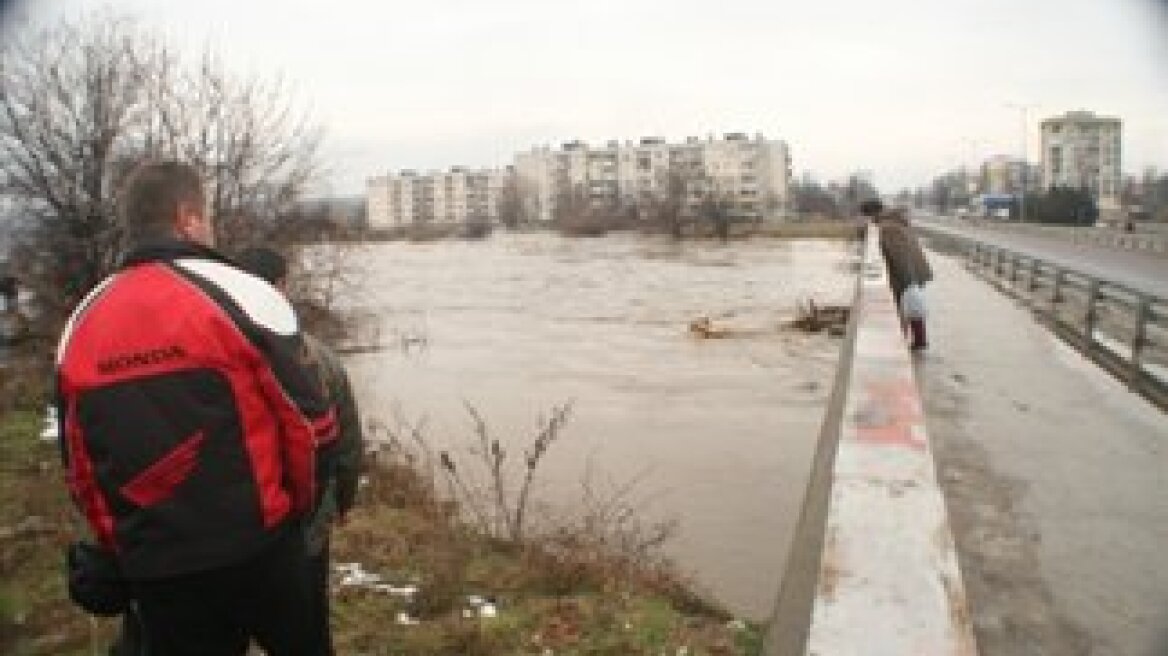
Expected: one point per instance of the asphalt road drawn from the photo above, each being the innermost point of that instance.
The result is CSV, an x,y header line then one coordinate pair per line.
x,y
1146,272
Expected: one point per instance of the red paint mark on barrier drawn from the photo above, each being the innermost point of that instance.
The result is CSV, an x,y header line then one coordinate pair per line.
x,y
889,413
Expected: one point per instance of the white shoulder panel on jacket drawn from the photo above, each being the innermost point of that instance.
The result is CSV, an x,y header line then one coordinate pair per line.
x,y
263,303
81,308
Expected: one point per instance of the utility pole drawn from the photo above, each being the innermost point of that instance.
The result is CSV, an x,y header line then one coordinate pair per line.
x,y
1023,109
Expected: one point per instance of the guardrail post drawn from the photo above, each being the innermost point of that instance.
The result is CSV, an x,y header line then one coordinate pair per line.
x,y
1090,317
1140,332
1056,287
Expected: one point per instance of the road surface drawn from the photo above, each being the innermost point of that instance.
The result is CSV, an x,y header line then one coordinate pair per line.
x,y
1146,272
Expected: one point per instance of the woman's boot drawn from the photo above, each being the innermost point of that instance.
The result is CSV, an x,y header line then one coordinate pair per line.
x,y
917,328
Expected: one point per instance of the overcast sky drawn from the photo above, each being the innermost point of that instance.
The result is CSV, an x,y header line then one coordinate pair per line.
x,y
902,89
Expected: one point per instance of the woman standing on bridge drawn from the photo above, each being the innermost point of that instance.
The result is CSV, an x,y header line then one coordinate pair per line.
x,y
906,264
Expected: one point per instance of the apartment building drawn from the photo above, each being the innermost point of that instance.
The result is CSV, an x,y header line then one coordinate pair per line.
x,y
460,195
1081,149
750,176
1004,175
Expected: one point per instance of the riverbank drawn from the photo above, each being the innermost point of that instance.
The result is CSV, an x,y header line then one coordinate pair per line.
x,y
414,578
421,579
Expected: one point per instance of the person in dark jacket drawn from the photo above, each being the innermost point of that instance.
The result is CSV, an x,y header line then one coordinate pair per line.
x,y
341,468
906,264
190,429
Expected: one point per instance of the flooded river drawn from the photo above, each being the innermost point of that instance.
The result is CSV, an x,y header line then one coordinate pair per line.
x,y
720,431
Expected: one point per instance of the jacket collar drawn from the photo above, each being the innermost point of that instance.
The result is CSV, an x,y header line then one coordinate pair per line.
x,y
168,250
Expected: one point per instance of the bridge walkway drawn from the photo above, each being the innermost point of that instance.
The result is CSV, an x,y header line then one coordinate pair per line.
x,y
1055,476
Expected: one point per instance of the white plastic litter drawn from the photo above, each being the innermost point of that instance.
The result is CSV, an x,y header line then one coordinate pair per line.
x,y
396,590
354,575
51,429
404,619
481,605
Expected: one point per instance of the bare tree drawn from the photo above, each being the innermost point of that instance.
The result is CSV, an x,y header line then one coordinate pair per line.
x,y
512,212
669,208
83,102
573,212
716,205
70,97
257,154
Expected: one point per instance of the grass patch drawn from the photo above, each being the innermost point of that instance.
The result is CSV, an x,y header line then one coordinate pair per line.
x,y
37,521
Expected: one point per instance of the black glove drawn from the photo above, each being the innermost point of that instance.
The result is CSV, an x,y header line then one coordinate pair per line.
x,y
95,580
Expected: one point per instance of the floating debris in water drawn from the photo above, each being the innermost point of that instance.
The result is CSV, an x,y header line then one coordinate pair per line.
x,y
816,318
704,328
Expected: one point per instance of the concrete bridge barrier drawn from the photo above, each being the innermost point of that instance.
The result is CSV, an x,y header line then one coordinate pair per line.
x,y
873,569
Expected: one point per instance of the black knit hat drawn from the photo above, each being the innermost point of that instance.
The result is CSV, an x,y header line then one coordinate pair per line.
x,y
264,262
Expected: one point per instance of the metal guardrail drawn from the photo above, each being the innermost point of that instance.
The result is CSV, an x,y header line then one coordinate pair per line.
x,y
873,568
1123,329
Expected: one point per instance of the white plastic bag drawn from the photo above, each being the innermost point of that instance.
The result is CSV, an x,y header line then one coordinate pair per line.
x,y
912,302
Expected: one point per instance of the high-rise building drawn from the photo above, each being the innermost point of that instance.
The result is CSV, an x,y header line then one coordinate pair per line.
x,y
750,176
459,195
1082,150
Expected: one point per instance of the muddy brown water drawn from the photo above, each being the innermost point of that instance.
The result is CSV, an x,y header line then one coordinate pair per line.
x,y
718,432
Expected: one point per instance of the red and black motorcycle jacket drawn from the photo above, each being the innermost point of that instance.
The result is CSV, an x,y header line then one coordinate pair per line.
x,y
188,425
